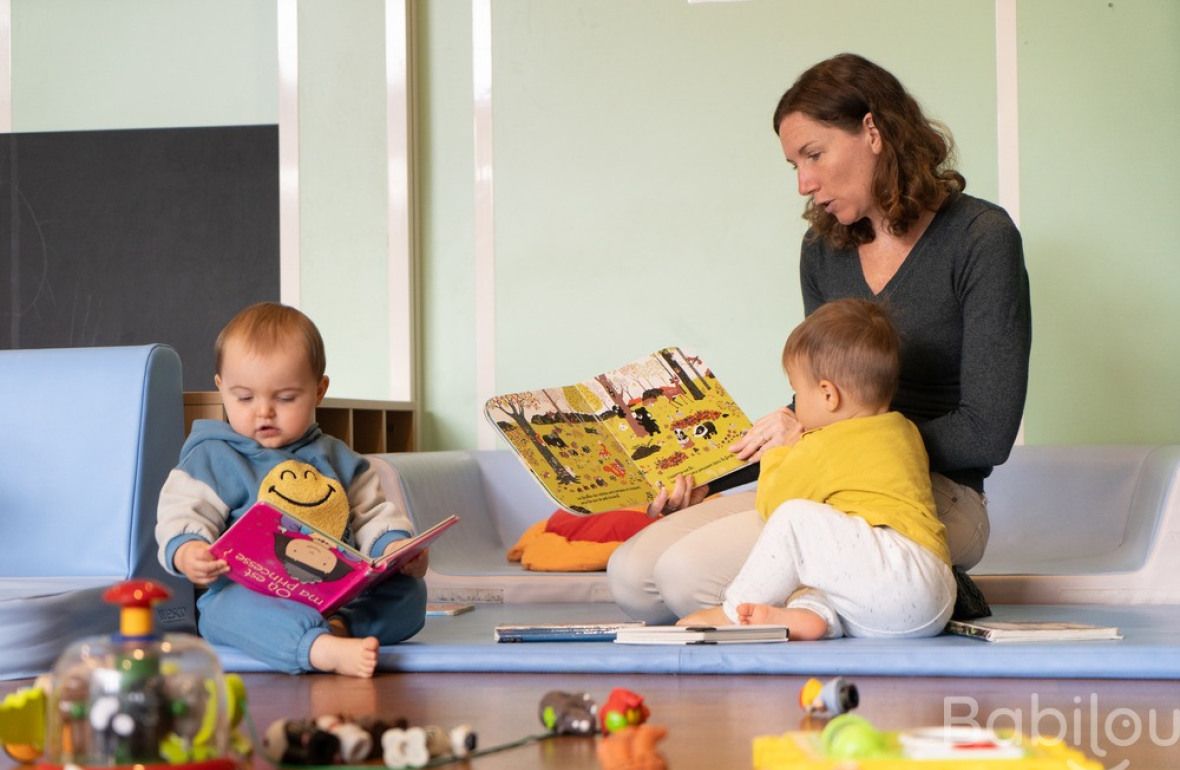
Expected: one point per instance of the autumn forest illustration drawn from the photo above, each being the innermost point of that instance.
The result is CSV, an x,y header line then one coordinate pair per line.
x,y
612,440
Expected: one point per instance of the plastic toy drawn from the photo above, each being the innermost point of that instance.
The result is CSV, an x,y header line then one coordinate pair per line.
x,y
622,708
416,746
852,741
132,699
632,748
566,713
828,699
356,743
299,742
336,739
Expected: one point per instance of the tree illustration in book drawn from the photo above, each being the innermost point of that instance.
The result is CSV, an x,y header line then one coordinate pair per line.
x,y
611,441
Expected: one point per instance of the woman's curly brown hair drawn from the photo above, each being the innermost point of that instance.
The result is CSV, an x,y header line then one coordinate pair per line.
x,y
915,170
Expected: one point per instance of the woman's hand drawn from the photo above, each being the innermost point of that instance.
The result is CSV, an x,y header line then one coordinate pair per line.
x,y
198,564
684,493
779,428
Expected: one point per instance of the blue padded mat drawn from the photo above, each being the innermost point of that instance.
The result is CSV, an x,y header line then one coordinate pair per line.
x,y
1150,649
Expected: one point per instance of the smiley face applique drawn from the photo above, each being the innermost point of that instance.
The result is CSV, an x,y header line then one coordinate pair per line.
x,y
303,492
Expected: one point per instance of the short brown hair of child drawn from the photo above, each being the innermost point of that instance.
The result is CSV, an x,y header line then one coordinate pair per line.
x,y
852,343
266,325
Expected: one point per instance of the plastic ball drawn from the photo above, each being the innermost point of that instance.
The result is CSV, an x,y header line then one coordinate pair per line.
x,y
849,736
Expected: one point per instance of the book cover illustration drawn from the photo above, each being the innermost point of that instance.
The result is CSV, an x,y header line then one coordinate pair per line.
x,y
274,553
610,441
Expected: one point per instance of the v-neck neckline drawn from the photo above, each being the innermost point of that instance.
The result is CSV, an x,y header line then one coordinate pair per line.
x,y
909,257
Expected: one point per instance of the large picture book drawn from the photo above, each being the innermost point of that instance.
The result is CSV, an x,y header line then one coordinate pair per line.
x,y
611,441
274,553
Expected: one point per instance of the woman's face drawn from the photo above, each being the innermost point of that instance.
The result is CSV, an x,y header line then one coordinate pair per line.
x,y
835,167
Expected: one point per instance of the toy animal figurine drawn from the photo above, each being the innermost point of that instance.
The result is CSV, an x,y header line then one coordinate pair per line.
x,y
376,726
462,740
828,699
299,742
566,713
414,747
338,739
355,741
622,708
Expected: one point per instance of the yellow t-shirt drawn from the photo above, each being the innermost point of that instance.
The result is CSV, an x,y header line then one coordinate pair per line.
x,y
872,467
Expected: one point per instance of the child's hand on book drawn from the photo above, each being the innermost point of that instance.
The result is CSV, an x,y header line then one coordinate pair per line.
x,y
415,567
779,428
198,564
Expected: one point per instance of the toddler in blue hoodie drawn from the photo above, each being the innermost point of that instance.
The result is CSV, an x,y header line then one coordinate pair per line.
x,y
270,365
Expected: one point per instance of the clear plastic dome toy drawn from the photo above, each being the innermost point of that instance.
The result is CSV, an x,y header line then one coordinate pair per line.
x,y
135,698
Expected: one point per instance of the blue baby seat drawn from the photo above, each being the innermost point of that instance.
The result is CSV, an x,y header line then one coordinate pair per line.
x,y
87,436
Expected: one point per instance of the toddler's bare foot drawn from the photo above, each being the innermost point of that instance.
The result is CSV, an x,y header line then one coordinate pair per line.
x,y
804,625
341,655
713,616
761,615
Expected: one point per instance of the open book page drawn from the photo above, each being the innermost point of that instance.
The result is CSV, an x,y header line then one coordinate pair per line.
x,y
611,441
677,418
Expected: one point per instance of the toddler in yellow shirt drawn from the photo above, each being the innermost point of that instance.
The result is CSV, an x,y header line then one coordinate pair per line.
x,y
852,544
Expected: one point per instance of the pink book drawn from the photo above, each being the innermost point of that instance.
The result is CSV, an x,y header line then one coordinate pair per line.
x,y
276,554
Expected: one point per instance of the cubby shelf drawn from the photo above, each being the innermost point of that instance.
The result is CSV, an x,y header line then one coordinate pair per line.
x,y
369,427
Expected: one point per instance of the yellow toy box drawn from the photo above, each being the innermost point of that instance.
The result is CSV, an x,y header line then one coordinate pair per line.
x,y
850,742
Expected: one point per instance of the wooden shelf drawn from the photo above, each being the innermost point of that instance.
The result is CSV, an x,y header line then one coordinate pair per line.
x,y
369,427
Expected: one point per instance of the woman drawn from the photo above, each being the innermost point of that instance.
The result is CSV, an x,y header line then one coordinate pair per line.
x,y
888,221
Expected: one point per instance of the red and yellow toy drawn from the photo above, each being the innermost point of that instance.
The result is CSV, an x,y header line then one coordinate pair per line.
x,y
622,708
135,699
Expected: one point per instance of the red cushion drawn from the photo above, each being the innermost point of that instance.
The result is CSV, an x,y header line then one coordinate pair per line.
x,y
605,527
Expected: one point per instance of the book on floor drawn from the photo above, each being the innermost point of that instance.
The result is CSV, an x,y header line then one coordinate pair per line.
x,y
702,635
611,441
562,632
1031,630
274,553
448,608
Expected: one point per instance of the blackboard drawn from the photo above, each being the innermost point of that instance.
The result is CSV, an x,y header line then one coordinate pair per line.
x,y
133,236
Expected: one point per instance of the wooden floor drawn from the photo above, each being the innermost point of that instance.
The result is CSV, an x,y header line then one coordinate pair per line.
x,y
712,719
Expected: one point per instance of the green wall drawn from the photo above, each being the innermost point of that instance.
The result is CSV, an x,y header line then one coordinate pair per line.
x,y
1100,165
80,65
640,198
446,196
343,190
